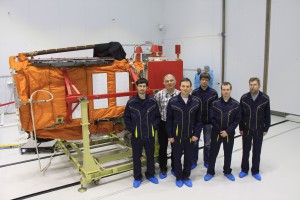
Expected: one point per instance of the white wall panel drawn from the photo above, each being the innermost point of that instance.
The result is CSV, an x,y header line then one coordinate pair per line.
x,y
244,46
196,26
284,65
38,25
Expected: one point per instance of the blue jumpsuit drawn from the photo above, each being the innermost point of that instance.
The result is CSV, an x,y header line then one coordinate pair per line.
x,y
256,119
142,118
224,116
183,122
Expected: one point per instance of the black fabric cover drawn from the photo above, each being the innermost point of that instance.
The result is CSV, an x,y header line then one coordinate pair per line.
x,y
112,49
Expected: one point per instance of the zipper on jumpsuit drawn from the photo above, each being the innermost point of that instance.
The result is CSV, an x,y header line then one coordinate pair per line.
x,y
136,132
250,113
148,124
257,112
221,121
207,105
189,122
228,122
177,108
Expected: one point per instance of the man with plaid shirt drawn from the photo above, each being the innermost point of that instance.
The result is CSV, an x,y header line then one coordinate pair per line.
x,y
162,98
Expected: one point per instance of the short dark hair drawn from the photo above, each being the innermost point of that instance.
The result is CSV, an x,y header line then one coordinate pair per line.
x,y
226,83
141,81
205,75
254,79
186,80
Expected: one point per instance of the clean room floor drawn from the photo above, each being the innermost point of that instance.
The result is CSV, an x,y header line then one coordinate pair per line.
x,y
280,161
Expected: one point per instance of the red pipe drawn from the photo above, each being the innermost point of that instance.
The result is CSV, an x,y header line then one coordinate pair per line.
x,y
5,104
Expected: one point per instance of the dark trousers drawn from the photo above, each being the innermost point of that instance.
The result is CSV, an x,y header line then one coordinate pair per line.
x,y
163,145
137,150
186,146
214,151
257,138
207,137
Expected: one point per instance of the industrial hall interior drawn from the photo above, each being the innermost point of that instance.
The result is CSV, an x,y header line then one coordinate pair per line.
x,y
158,99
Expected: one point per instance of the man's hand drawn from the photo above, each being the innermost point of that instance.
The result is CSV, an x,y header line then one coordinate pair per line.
x,y
194,139
223,133
171,140
241,132
265,133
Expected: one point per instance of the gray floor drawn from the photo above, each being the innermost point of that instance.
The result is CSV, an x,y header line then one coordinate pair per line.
x,y
279,169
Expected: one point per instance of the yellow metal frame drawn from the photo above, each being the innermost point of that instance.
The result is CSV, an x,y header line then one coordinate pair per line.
x,y
9,145
89,166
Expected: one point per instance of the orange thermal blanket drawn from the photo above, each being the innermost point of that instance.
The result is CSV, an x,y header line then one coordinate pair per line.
x,y
30,78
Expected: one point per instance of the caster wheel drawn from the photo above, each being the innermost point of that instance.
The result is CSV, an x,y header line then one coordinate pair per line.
x,y
97,182
82,189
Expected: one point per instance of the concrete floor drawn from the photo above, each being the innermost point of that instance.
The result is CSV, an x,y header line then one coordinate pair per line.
x,y
280,160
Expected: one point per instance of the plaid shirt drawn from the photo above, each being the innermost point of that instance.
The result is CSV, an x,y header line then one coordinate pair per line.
x,y
162,98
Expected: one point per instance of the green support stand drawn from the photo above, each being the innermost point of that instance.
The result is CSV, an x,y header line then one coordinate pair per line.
x,y
91,167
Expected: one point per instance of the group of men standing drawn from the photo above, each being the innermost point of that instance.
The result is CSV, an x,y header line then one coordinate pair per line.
x,y
180,116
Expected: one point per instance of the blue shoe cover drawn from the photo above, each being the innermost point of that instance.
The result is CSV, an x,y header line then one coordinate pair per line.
x,y
137,183
230,177
179,183
193,166
153,180
257,176
188,183
163,175
242,174
207,177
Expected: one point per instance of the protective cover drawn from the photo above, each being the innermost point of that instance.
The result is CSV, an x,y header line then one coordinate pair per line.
x,y
30,78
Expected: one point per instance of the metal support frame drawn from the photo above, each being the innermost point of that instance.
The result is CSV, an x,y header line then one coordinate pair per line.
x,y
89,164
91,167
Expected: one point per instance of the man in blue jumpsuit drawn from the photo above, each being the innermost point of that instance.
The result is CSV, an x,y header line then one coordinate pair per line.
x,y
183,127
225,116
197,78
254,125
142,117
207,96
211,74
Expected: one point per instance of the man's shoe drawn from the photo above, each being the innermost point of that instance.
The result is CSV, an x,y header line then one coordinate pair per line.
x,y
206,165
207,177
242,174
179,183
257,176
230,177
194,166
163,175
188,182
137,183
172,172
153,180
